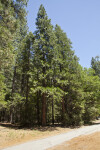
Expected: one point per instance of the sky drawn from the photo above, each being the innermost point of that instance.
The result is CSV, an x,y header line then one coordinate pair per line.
x,y
80,19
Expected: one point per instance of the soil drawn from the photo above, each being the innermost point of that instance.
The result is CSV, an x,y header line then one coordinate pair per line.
x,y
87,142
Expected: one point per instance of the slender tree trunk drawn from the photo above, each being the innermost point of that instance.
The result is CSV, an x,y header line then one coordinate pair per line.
x,y
43,109
63,106
13,90
27,85
38,109
26,102
27,88
52,112
11,115
43,96
22,82
63,110
27,76
13,82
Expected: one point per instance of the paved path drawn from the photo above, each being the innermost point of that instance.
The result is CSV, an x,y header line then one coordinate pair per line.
x,y
46,143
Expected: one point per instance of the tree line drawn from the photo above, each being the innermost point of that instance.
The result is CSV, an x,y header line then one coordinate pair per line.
x,y
41,80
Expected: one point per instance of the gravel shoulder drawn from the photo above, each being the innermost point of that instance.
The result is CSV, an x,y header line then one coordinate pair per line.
x,y
49,142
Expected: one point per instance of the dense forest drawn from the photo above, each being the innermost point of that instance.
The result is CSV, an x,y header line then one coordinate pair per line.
x,y
41,80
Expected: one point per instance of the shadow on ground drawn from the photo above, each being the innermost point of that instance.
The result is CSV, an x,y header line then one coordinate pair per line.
x,y
38,128
43,129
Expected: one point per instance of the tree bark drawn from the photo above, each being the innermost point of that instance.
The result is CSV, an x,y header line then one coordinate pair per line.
x,y
43,109
38,109
13,90
22,82
63,110
52,112
13,82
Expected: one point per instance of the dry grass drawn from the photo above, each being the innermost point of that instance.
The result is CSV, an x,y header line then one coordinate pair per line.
x,y
88,142
12,135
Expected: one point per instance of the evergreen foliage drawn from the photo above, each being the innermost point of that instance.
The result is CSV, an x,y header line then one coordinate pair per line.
x,y
95,64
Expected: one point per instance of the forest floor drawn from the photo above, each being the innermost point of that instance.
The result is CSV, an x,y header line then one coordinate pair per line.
x,y
13,135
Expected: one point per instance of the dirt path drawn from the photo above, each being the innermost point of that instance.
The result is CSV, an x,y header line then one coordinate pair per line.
x,y
46,143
